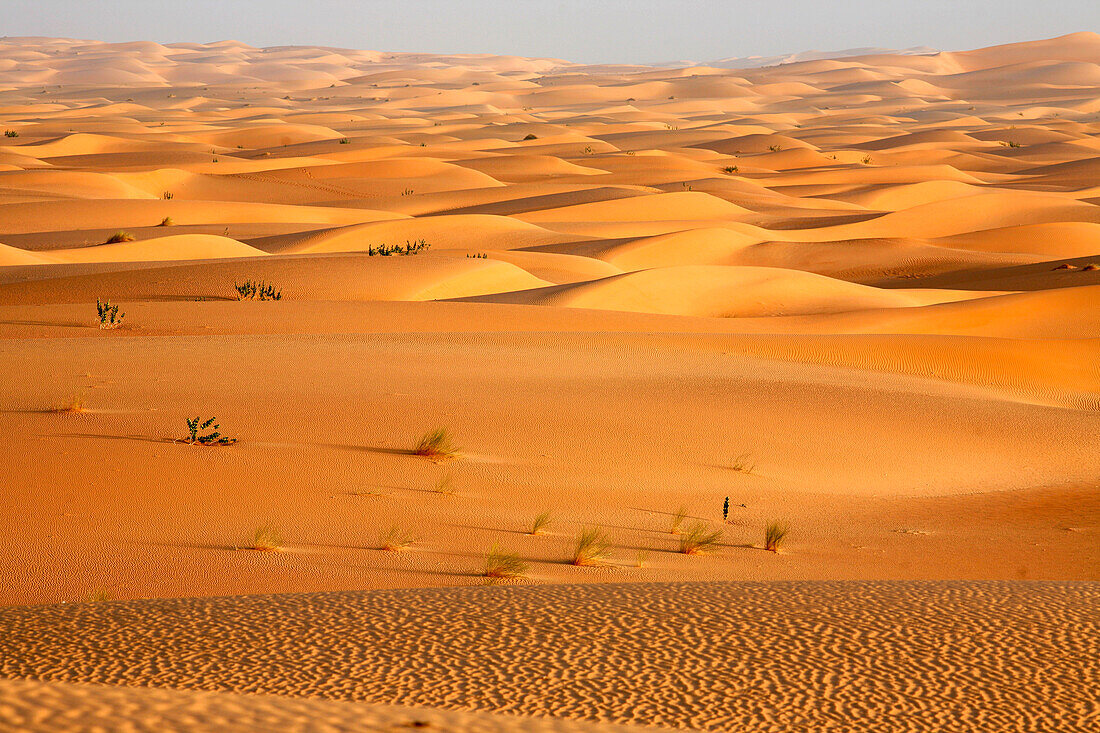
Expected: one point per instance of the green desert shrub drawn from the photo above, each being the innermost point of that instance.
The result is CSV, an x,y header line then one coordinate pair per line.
x,y
109,317
410,247
256,290
205,432
436,444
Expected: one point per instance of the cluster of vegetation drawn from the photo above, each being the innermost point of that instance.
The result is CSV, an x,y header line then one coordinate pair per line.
x,y
436,444
531,136
477,256
592,548
587,150
11,133
167,195
345,141
730,169
205,432
256,290
408,248
109,317
775,148
166,222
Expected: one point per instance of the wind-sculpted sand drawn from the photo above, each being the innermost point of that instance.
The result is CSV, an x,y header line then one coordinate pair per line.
x,y
809,656
857,295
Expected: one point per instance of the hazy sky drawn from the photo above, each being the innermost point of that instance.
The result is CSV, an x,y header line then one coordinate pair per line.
x,y
578,30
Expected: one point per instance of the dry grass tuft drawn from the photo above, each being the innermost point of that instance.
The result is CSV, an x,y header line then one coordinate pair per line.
x,y
119,236
592,548
541,522
99,595
502,565
166,222
436,444
641,559
677,520
743,463
74,407
265,539
699,540
774,534
443,484
1091,267
397,539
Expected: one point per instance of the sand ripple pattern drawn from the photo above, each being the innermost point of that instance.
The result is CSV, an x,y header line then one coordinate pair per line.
x,y
781,656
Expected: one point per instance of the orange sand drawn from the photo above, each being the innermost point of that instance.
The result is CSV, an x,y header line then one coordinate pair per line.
x,y
854,294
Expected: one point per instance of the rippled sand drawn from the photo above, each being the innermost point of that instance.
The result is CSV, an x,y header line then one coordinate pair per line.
x,y
884,656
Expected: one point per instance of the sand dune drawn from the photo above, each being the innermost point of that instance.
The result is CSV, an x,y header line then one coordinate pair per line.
x,y
855,293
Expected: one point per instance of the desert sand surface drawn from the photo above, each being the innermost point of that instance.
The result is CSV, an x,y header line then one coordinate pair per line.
x,y
856,295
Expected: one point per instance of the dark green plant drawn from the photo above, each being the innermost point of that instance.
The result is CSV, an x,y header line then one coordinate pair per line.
x,y
730,169
11,133
167,195
477,256
109,317
197,436
345,141
726,509
775,148
256,290
409,248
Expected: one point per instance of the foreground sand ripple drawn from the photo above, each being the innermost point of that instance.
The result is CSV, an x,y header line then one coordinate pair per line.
x,y
895,656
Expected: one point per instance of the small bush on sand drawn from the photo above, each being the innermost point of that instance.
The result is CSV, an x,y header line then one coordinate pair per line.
x,y
592,548
410,247
1090,267
641,559
699,540
531,136
774,534
502,565
265,539
119,236
677,520
99,595
397,539
11,133
730,169
166,222
256,290
775,148
541,522
726,509
167,195
197,435
109,317
866,160
436,444
345,141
